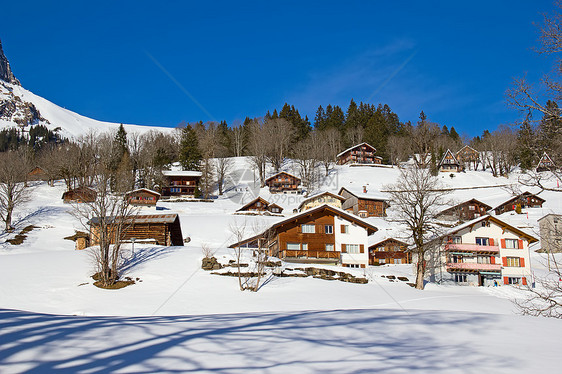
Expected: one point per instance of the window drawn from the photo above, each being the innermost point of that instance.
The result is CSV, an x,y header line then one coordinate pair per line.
x,y
345,229
175,190
471,207
460,278
382,260
482,241
484,259
258,204
305,246
308,229
397,261
456,259
329,229
381,249
329,247
513,262
363,214
352,265
352,248
456,240
512,243
275,210
293,246
476,215
513,280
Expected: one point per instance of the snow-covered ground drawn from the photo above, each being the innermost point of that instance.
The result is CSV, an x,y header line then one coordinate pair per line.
x,y
180,318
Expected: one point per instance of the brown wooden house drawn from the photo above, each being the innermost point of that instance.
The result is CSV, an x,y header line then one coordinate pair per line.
x,y
468,157
80,195
363,204
545,163
261,205
142,197
449,163
160,229
180,183
465,211
524,200
389,251
359,154
283,182
324,234
321,198
38,174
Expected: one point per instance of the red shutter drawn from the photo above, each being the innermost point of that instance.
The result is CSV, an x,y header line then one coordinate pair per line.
x,y
524,281
361,248
504,261
503,243
343,248
522,262
520,244
343,229
505,280
492,259
491,241
363,266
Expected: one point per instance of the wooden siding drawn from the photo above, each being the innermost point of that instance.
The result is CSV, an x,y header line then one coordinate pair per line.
x,y
79,195
161,233
463,211
526,200
180,185
283,182
389,250
143,198
360,154
292,233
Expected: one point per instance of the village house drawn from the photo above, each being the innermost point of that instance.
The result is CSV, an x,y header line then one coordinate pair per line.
x,y
468,157
159,229
319,199
323,234
483,252
550,228
363,204
359,154
38,174
80,195
389,251
545,164
283,182
465,211
260,205
142,197
524,200
180,183
449,163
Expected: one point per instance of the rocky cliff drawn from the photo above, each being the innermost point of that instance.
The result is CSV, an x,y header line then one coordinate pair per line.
x,y
5,71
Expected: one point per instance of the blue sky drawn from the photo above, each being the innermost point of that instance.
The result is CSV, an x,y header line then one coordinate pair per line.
x,y
145,63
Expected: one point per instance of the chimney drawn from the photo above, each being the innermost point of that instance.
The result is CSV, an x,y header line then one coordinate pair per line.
x,y
364,189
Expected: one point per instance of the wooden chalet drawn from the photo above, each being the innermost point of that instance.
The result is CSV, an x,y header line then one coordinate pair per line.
x,y
465,211
160,229
38,174
142,197
283,182
468,157
80,195
545,163
180,183
323,234
359,154
449,163
363,204
524,200
319,199
389,251
261,205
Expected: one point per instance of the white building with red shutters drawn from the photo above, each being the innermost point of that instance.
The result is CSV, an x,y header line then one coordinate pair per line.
x,y
483,252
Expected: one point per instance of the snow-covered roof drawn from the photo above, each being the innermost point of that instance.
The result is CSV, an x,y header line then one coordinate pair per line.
x,y
312,197
365,196
145,190
181,173
282,172
355,146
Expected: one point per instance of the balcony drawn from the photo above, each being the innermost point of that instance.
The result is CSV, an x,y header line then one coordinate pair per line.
x,y
471,266
472,248
327,255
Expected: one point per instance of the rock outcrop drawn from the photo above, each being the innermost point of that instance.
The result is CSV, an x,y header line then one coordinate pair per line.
x,y
5,71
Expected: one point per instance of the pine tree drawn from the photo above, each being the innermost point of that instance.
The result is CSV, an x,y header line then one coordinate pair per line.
x,y
454,135
189,153
320,119
526,146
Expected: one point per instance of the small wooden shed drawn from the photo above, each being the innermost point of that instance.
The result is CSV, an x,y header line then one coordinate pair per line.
x,y
80,195
142,197
81,240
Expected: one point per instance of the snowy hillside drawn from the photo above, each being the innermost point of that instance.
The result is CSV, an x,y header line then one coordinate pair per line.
x,y
180,318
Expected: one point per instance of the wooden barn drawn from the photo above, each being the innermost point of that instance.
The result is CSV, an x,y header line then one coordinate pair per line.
x,y
319,199
465,211
283,182
180,183
160,229
524,200
80,195
449,163
363,204
38,174
142,197
468,157
389,251
545,164
359,154
260,205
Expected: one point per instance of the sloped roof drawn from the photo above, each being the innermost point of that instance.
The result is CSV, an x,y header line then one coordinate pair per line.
x,y
141,190
143,218
181,173
386,239
448,151
488,207
469,147
355,146
259,198
517,197
365,196
282,172
310,198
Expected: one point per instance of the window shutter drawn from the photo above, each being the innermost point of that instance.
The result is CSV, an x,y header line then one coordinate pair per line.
x,y
343,248
361,248
520,244
362,266
505,280
491,241
503,243
504,261
524,281
522,262
492,259
343,229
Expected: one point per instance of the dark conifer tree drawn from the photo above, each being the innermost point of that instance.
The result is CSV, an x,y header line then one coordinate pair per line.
x,y
189,153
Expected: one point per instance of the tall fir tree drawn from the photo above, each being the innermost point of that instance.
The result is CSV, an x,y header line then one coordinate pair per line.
x,y
189,153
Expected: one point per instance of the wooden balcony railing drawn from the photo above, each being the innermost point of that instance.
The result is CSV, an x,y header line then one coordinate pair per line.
x,y
311,254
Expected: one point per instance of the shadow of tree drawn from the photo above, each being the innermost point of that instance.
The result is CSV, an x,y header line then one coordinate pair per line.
x,y
352,341
143,255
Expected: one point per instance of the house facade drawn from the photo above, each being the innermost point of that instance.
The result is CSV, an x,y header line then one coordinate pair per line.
x,y
449,163
483,252
465,211
550,228
468,157
260,205
363,204
545,164
180,183
359,154
389,251
283,182
323,234
142,197
320,199
524,200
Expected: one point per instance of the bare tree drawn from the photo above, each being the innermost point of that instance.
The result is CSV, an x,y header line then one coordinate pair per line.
x,y
423,138
545,299
399,148
306,157
417,198
223,166
238,231
279,134
238,140
13,192
355,135
330,141
257,147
